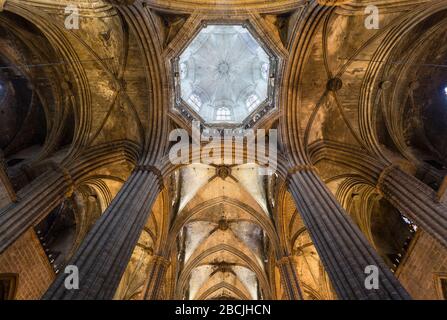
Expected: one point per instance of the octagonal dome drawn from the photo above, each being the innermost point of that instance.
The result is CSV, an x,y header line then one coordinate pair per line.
x,y
224,74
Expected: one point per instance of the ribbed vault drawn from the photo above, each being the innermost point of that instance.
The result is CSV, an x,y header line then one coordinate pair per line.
x,y
85,175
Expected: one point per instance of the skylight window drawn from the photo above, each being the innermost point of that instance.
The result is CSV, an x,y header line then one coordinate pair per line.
x,y
223,114
224,74
252,102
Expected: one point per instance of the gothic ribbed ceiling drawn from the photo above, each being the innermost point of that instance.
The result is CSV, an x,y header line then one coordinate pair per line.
x,y
222,243
224,74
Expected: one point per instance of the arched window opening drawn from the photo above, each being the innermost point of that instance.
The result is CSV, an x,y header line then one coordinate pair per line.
x,y
223,114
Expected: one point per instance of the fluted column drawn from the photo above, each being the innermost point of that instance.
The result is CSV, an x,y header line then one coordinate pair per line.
x,y
289,278
342,247
34,202
157,273
408,194
415,200
41,196
107,248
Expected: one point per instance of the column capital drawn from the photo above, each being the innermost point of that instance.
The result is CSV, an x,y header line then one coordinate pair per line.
x,y
289,277
301,168
161,260
154,170
67,177
284,260
384,174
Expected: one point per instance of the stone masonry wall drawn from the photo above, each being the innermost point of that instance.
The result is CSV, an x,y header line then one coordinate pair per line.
x,y
27,259
419,272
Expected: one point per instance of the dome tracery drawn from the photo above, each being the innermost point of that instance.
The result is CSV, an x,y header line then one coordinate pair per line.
x,y
228,70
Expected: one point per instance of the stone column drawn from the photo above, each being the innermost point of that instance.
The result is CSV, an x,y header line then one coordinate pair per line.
x,y
157,273
415,200
34,202
408,194
41,196
342,247
105,252
289,278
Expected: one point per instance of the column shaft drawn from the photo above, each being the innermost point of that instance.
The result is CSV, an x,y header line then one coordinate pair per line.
x,y
157,273
343,249
35,202
407,193
41,196
289,278
415,200
107,248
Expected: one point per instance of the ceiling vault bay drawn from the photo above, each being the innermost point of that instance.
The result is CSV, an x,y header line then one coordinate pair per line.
x,y
97,105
